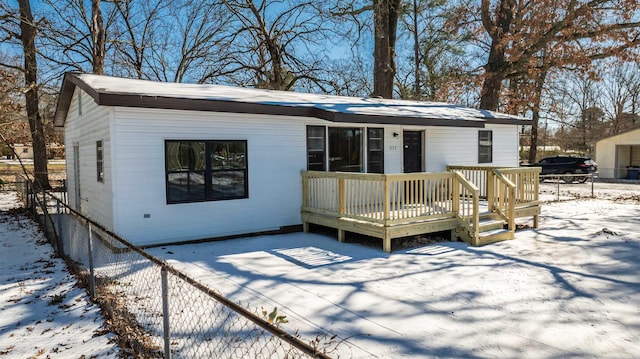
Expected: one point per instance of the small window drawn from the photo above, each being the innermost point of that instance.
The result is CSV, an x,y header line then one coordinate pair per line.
x,y
206,170
100,161
485,146
79,103
316,148
375,150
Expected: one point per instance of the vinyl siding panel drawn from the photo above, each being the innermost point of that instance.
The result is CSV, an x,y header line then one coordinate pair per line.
x,y
132,199
276,154
459,146
84,129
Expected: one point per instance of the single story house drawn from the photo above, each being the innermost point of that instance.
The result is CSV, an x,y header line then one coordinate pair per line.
x,y
169,162
618,154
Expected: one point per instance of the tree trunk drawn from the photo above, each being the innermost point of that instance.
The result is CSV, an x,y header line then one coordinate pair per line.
x,y
98,36
385,17
27,36
416,52
537,100
497,66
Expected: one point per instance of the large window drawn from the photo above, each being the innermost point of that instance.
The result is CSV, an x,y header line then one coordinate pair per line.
x,y
345,147
485,146
100,161
206,170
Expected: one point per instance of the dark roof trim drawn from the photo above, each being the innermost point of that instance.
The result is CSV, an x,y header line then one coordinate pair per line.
x,y
71,81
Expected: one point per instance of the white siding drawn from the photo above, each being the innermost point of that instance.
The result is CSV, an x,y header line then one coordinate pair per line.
x,y
276,154
505,145
84,129
132,199
459,146
392,149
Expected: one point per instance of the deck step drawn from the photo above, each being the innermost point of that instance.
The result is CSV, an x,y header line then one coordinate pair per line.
x,y
489,224
495,235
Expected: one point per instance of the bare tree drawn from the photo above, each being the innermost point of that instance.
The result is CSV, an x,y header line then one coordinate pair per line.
x,y
436,60
75,36
276,44
586,119
20,25
620,89
137,31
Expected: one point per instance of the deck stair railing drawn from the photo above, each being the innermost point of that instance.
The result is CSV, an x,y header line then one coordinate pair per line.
x,y
469,207
501,193
491,182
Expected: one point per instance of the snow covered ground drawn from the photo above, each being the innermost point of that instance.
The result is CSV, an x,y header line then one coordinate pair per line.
x,y
42,312
568,289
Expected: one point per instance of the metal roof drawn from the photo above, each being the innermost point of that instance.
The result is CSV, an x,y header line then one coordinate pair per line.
x,y
114,91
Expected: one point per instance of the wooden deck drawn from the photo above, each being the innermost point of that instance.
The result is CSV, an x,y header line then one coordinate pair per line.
x,y
389,206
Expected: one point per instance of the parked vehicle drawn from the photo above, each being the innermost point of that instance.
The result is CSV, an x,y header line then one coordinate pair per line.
x,y
567,165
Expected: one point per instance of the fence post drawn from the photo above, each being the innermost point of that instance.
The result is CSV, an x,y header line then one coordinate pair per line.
x,y
165,313
59,229
45,214
32,196
592,196
92,280
64,192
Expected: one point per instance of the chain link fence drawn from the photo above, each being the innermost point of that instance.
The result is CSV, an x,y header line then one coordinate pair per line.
x,y
567,187
157,310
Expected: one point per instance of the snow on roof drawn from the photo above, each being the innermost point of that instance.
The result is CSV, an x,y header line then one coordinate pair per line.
x,y
314,105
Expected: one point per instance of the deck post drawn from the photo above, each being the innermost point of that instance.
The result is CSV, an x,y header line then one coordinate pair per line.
x,y
341,234
387,201
305,189
455,203
511,209
386,243
342,195
536,194
490,182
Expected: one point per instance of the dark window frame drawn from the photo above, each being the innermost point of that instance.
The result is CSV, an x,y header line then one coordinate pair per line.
x,y
208,172
325,164
348,151
100,161
371,137
485,156
313,153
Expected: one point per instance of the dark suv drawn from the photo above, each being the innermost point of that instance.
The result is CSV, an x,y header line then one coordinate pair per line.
x,y
567,165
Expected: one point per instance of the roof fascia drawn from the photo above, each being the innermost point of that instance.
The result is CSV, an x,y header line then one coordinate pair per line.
x,y
69,84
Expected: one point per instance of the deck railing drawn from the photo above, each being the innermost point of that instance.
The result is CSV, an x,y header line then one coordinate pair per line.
x,y
525,179
391,199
